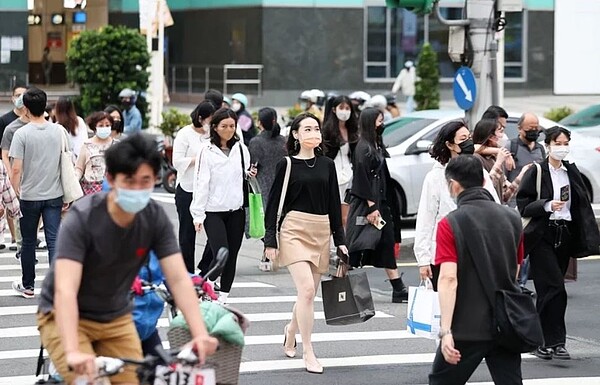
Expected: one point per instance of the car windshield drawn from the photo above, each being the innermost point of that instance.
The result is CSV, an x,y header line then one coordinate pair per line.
x,y
585,118
400,130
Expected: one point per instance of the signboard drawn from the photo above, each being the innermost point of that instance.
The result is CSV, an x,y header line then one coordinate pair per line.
x,y
464,88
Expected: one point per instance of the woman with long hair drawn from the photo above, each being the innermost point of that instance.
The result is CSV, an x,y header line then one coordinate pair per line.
x,y
65,115
187,143
218,197
372,198
340,135
311,214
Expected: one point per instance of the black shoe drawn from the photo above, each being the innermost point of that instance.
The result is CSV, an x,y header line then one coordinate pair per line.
x,y
560,353
18,254
543,353
525,290
399,290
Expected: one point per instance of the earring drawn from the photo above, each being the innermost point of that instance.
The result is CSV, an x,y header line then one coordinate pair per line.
x,y
296,144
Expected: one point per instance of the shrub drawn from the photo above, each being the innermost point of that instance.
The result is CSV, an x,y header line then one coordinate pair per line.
x,y
559,113
427,93
173,120
105,61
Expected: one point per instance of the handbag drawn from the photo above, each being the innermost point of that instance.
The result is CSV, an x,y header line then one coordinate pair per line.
x,y
423,314
538,188
347,300
256,227
70,184
360,234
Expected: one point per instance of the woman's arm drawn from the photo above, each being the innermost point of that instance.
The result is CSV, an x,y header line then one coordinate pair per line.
x,y
82,160
271,224
181,161
335,208
201,187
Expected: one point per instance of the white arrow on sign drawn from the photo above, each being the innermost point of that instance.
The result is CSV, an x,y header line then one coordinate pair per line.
x,y
463,87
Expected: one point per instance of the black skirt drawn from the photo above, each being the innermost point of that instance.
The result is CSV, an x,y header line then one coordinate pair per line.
x,y
383,256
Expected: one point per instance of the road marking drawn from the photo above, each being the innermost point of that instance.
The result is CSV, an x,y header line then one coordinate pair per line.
x,y
18,267
553,381
12,278
12,293
274,299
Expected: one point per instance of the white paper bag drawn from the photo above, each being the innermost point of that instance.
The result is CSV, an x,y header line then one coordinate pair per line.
x,y
423,312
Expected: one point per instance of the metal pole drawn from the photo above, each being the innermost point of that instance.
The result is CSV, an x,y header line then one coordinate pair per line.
x,y
173,79
260,81
224,80
189,79
206,78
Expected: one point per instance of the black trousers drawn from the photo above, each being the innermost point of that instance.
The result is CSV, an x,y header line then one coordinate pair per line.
x,y
548,265
187,232
504,366
225,229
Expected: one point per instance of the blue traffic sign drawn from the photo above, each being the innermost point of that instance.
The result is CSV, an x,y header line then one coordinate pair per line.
x,y
465,88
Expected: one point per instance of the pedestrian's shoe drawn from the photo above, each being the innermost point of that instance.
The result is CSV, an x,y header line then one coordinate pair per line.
x,y
312,366
560,353
223,298
543,353
399,290
41,245
525,290
13,246
25,292
18,254
288,351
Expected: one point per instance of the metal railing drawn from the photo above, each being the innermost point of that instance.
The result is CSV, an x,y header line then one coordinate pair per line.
x,y
192,79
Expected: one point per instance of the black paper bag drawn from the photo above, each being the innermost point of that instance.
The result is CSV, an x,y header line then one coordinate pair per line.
x,y
347,300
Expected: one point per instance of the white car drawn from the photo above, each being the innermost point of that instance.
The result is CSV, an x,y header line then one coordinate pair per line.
x,y
408,139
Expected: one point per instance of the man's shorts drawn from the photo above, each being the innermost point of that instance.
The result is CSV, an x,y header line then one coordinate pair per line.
x,y
117,338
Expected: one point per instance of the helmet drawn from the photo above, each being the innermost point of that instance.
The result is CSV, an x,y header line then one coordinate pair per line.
x,y
127,93
307,95
318,96
240,98
227,100
360,96
391,98
378,101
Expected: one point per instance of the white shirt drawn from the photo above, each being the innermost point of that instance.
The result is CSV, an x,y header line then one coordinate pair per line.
x,y
218,180
560,178
80,137
185,149
435,204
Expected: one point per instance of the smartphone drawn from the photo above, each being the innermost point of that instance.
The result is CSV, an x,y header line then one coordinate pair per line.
x,y
564,193
379,223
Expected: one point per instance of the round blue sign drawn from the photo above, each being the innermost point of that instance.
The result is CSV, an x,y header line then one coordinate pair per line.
x,y
464,88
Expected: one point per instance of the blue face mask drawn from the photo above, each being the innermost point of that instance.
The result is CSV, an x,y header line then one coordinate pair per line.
x,y
133,201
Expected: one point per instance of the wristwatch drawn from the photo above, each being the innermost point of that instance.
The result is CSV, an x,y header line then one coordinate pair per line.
x,y
443,333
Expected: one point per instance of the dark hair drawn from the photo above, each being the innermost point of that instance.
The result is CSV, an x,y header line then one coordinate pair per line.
x,y
220,115
117,126
96,117
367,129
484,129
268,119
495,112
127,155
202,111
291,142
64,111
467,170
35,101
554,132
331,126
439,151
215,97
17,86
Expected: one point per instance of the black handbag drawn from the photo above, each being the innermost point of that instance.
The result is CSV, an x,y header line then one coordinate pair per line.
x,y
347,300
360,234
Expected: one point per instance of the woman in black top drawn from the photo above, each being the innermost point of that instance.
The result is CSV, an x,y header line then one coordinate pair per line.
x,y
562,226
311,214
372,198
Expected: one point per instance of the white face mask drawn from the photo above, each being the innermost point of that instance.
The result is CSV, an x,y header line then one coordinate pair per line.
x,y
343,115
503,140
236,106
103,132
206,127
559,152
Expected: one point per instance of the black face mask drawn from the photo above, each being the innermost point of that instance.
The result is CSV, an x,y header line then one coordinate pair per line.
x,y
117,125
467,147
380,129
532,136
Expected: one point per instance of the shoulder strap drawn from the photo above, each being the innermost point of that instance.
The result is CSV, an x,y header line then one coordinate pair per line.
x,y
40,361
242,158
538,180
286,181
514,147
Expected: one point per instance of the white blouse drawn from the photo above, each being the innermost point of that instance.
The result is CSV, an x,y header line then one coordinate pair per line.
x,y
185,148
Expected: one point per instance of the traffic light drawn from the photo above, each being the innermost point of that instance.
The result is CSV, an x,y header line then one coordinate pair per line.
x,y
421,7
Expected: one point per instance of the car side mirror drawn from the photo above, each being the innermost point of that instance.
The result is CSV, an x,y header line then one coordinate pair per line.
x,y
419,147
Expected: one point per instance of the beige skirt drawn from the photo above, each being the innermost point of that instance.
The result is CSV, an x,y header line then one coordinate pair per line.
x,y
305,237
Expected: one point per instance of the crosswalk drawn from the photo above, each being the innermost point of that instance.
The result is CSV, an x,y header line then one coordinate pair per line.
x,y
380,343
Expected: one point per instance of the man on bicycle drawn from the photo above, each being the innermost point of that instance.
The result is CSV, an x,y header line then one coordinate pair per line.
x,y
85,308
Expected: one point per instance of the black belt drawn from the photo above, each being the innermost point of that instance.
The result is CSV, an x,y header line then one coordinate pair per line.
x,y
558,222
561,226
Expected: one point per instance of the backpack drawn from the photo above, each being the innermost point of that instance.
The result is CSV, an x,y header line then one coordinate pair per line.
x,y
514,146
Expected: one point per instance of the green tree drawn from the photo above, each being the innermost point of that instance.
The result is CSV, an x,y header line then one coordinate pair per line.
x,y
427,94
103,62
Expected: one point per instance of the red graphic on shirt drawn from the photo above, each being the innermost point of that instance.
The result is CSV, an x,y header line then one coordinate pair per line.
x,y
141,252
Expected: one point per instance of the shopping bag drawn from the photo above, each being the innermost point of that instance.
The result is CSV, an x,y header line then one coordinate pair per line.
x,y
423,312
256,227
347,300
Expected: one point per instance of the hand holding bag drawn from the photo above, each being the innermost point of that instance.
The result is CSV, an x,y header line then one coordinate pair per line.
x,y
70,185
347,300
423,313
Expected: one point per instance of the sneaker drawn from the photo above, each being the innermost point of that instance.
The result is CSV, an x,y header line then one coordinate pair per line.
x,y
41,245
13,246
25,292
18,254
525,290
560,353
2,246
543,353
223,298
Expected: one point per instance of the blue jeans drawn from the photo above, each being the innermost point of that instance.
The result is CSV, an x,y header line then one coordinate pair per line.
x,y
524,272
50,211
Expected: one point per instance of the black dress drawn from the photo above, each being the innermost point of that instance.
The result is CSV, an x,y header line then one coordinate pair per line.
x,y
372,182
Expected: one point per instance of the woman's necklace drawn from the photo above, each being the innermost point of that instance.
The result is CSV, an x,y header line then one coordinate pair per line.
x,y
308,165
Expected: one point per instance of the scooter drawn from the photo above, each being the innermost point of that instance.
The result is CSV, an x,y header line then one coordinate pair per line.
x,y
168,174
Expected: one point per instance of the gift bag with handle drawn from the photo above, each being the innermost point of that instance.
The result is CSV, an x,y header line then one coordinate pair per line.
x,y
423,311
347,300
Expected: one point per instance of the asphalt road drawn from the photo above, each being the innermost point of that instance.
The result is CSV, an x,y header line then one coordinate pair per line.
x,y
376,352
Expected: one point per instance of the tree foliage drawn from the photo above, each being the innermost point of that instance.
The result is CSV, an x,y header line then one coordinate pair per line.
x,y
427,93
559,113
103,62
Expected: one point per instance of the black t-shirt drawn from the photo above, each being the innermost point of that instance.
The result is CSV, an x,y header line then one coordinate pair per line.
x,y
111,255
7,119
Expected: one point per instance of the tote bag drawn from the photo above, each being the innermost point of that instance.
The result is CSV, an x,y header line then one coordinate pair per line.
x,y
70,185
423,313
347,300
538,186
256,227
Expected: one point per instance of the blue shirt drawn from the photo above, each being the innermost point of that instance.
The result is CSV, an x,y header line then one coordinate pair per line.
x,y
133,121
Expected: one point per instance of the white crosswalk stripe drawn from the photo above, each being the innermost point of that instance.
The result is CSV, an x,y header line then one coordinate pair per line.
x,y
267,307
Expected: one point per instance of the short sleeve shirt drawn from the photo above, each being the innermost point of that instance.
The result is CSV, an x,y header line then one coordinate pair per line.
x,y
9,133
111,255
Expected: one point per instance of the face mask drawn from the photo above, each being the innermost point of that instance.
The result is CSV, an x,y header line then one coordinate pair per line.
x,y
467,147
117,125
103,132
236,106
343,115
532,136
133,201
303,106
19,102
312,141
380,129
503,140
559,152
206,127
